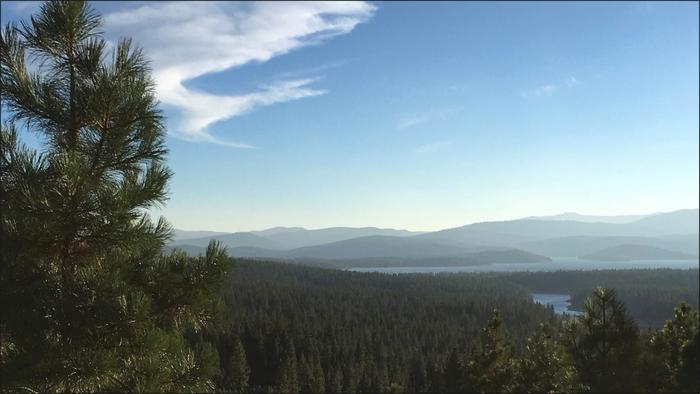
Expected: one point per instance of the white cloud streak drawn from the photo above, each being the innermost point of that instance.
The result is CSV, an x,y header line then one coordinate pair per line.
x,y
412,120
432,147
407,121
186,40
550,89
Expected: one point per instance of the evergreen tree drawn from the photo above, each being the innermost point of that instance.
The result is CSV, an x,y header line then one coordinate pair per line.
x,y
453,375
94,303
381,383
237,371
336,381
305,374
317,382
491,370
545,366
673,351
418,377
287,380
603,343
349,378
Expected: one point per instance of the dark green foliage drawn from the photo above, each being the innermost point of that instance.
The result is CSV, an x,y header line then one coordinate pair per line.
x,y
603,343
453,376
368,332
89,300
671,362
311,375
545,366
237,370
649,294
287,380
492,368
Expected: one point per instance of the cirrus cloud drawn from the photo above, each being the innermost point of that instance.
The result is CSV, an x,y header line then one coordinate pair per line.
x,y
186,40
550,89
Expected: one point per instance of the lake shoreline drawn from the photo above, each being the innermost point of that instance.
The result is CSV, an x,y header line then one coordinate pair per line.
x,y
567,264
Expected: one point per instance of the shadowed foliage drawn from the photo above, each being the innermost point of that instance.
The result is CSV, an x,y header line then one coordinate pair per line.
x,y
94,303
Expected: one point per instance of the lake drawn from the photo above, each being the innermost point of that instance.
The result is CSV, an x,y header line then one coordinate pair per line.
x,y
560,302
563,264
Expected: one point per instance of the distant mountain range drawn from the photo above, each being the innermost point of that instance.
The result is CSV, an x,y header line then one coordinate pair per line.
x,y
591,218
636,252
669,235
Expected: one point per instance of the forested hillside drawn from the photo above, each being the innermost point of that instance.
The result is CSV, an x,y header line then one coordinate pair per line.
x,y
303,329
649,294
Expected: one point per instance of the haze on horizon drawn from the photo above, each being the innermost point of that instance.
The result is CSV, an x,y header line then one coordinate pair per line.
x,y
418,116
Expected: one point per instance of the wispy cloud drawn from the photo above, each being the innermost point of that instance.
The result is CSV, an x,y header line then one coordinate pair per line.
x,y
550,89
186,40
412,120
432,147
415,119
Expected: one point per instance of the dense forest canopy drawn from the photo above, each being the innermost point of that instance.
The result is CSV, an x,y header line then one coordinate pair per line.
x,y
649,294
347,332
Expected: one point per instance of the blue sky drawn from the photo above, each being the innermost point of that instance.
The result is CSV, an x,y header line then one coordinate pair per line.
x,y
419,115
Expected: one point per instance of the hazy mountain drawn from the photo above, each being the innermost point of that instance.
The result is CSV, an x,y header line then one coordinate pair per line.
x,y
233,240
684,221
277,230
302,237
618,219
683,242
574,246
556,236
362,248
377,246
258,253
477,258
179,235
191,250
287,237
339,257
513,232
636,252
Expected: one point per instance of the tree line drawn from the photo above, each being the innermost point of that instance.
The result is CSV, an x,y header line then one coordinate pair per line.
x,y
649,294
304,329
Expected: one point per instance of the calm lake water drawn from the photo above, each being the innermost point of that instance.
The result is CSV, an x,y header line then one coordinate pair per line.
x,y
569,264
560,302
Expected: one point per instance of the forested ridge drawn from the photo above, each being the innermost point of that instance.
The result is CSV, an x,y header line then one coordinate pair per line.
x,y
649,294
304,329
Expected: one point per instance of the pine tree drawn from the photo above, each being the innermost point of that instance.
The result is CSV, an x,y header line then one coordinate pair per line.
x,y
89,300
382,378
672,354
603,343
287,380
545,366
454,374
319,383
418,376
237,371
305,374
491,370
311,378
349,378
335,381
